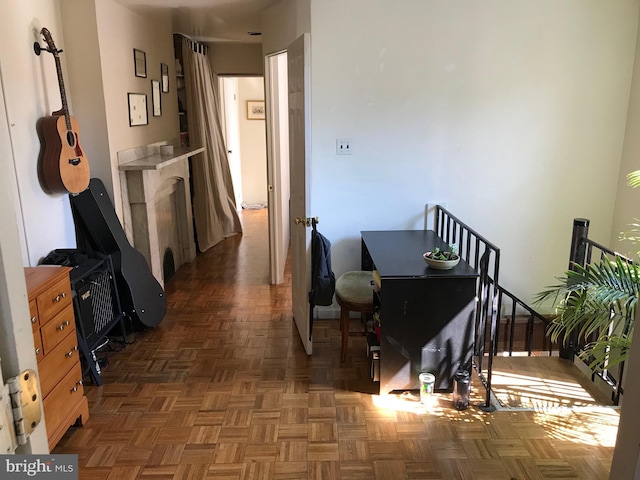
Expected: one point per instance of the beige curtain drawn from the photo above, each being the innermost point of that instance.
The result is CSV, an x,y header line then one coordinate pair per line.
x,y
214,205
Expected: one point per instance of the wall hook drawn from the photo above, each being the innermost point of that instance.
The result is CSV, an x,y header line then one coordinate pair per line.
x,y
37,48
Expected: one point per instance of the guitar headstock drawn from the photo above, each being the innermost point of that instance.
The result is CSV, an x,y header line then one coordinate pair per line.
x,y
49,39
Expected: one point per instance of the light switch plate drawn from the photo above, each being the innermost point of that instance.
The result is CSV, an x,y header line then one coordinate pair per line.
x,y
344,146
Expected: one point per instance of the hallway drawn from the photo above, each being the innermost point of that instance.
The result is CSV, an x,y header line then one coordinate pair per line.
x,y
222,389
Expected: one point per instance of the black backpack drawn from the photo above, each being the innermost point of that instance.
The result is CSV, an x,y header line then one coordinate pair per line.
x,y
323,280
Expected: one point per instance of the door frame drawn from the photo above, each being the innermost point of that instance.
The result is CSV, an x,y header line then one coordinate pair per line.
x,y
277,131
17,350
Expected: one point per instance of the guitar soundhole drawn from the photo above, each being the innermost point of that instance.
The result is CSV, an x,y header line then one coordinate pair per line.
x,y
74,161
71,139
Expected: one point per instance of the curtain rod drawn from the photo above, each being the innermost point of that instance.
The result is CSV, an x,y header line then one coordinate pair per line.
x,y
196,46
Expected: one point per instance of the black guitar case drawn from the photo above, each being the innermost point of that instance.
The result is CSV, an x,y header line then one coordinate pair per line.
x,y
98,228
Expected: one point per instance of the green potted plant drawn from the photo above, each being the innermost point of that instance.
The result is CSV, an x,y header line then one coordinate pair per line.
x,y
597,303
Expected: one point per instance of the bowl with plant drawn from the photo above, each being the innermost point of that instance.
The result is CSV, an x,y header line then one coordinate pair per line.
x,y
442,259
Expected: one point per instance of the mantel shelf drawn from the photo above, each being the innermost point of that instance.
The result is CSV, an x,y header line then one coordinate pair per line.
x,y
158,162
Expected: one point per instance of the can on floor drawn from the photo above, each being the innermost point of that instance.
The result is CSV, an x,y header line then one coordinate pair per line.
x,y
427,381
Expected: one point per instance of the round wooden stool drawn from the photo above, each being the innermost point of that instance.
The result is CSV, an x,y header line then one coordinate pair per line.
x,y
354,293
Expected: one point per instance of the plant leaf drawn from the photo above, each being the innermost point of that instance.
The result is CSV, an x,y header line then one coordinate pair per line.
x,y
598,304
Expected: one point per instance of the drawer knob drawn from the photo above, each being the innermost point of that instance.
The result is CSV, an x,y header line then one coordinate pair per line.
x,y
37,351
59,297
69,354
63,325
75,387
34,319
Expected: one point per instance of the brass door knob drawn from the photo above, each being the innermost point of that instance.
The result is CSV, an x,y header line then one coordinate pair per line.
x,y
305,220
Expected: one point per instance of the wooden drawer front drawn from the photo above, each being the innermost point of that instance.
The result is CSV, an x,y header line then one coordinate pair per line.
x,y
37,343
33,313
57,363
53,300
56,330
63,399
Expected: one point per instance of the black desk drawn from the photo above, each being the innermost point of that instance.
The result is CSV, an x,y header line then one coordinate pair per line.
x,y
426,315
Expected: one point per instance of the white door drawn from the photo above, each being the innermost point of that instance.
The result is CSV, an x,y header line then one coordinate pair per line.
x,y
298,63
232,136
16,341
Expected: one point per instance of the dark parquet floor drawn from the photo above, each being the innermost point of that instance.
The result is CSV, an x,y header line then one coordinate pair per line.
x,y
222,389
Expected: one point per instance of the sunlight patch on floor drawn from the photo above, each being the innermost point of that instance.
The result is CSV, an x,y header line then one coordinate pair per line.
x,y
439,404
407,402
533,392
588,426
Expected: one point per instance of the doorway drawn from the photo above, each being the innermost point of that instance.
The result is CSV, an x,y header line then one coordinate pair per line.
x,y
246,140
258,150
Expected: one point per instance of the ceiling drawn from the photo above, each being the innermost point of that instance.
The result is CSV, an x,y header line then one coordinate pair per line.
x,y
209,20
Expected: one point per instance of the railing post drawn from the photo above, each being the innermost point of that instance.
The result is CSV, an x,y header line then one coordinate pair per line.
x,y
577,256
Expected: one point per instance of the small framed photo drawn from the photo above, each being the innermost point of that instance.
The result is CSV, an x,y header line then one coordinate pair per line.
x,y
140,63
138,109
155,98
255,109
164,76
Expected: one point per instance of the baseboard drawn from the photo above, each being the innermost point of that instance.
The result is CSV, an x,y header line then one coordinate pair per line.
x,y
328,312
332,312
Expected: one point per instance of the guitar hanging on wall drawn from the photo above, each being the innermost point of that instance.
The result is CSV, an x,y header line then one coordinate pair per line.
x,y
64,166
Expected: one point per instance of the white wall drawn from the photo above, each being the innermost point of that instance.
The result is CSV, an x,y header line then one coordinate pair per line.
x,y
512,112
104,74
626,459
98,47
627,209
253,143
32,92
120,31
235,59
82,51
283,22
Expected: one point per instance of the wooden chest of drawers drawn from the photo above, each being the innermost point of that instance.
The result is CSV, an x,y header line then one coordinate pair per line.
x,y
56,344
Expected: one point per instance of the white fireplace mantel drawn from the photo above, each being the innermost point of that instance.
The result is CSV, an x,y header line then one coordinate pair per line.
x,y
156,190
155,161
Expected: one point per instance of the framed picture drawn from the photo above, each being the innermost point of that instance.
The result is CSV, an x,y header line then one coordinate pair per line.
x,y
140,63
155,98
164,76
138,109
255,109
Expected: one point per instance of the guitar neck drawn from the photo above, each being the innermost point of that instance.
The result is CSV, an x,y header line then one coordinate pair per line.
x,y
63,95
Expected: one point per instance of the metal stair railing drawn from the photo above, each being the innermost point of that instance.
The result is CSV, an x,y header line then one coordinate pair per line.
x,y
492,298
484,257
583,253
518,309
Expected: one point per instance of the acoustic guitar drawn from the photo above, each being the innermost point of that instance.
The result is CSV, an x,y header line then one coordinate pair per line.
x,y
65,168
